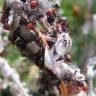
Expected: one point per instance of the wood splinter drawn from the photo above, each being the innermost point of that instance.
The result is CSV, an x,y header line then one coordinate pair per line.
x,y
63,89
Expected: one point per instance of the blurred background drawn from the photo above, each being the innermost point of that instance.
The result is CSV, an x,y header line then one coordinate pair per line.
x,y
82,17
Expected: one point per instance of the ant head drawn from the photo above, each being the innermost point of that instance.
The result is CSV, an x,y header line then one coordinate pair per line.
x,y
23,1
51,12
34,3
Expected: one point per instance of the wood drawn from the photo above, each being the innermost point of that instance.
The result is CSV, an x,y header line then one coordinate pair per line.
x,y
63,89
